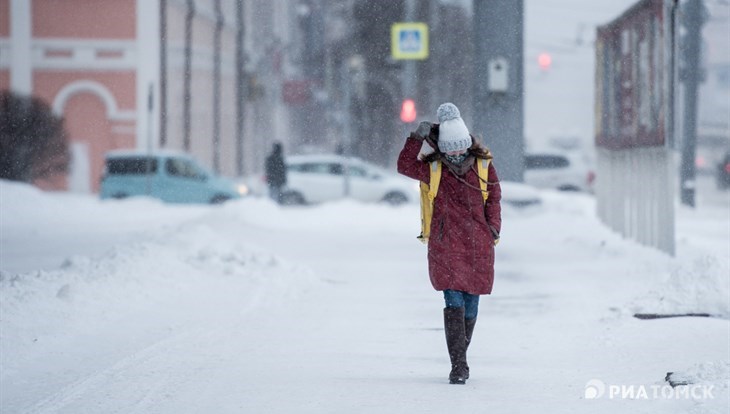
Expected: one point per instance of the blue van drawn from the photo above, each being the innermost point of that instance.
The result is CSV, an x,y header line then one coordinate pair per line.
x,y
170,176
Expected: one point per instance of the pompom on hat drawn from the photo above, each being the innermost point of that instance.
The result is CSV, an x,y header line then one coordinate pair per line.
x,y
453,134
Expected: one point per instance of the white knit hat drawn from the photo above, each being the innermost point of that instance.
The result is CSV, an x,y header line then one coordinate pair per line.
x,y
453,134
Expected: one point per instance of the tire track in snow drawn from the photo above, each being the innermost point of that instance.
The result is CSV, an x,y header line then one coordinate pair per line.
x,y
76,391
132,369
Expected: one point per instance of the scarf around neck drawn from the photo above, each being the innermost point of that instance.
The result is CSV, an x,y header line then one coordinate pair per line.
x,y
460,169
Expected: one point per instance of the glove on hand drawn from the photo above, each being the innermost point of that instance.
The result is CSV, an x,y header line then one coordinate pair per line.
x,y
424,128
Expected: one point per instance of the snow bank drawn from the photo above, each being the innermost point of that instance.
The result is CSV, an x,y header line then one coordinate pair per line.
x,y
188,265
697,280
169,277
711,372
132,273
25,207
39,230
519,195
333,217
698,287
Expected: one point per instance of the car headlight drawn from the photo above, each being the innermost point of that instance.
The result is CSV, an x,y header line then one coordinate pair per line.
x,y
242,189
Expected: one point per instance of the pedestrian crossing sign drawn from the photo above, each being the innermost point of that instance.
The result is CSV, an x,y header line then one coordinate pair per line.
x,y
409,41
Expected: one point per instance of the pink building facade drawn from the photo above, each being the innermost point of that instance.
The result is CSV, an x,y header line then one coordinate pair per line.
x,y
100,63
82,58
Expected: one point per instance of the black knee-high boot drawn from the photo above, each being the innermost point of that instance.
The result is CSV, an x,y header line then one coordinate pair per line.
x,y
456,343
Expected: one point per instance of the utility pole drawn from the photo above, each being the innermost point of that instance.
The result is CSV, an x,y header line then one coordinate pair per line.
x,y
163,73
217,87
498,100
188,73
409,66
240,91
690,75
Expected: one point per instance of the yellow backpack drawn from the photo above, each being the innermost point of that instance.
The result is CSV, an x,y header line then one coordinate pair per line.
x,y
428,193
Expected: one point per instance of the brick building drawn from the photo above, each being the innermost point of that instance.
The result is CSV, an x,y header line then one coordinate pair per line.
x,y
101,63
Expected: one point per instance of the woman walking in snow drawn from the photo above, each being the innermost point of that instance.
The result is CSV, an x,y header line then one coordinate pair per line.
x,y
464,228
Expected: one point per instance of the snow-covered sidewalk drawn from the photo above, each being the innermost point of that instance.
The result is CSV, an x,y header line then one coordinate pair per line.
x,y
253,308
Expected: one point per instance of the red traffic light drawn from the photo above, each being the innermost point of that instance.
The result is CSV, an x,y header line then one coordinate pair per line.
x,y
408,111
544,60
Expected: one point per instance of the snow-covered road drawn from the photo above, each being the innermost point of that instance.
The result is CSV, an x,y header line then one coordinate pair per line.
x,y
251,308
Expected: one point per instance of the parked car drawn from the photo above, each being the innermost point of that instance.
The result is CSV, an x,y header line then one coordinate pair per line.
x,y
320,178
565,171
723,172
170,176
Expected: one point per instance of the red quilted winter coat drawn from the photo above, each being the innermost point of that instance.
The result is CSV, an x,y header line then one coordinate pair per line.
x,y
461,246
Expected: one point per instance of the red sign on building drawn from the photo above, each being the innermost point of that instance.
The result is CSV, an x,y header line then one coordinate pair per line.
x,y
632,77
297,92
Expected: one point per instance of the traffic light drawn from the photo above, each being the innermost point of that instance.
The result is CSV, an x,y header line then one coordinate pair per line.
x,y
545,61
408,111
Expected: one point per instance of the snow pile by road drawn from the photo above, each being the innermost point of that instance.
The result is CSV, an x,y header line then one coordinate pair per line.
x,y
716,373
172,279
190,265
711,376
38,230
697,280
701,286
28,209
344,216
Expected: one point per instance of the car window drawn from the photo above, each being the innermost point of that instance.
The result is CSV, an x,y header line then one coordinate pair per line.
x,y
131,166
545,162
309,167
183,168
316,168
336,169
356,171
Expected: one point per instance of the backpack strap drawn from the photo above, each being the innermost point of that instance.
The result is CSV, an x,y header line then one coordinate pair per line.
x,y
428,194
433,183
483,172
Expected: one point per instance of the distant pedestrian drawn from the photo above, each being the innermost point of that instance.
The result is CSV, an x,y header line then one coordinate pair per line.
x,y
464,227
276,172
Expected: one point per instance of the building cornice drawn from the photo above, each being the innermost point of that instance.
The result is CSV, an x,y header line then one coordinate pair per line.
x,y
76,54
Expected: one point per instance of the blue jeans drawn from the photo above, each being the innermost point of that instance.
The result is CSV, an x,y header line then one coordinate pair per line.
x,y
459,299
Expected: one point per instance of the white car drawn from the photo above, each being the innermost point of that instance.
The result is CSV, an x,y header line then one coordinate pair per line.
x,y
565,171
320,178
